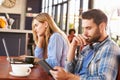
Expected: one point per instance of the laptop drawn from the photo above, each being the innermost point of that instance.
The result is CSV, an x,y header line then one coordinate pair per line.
x,y
15,60
11,60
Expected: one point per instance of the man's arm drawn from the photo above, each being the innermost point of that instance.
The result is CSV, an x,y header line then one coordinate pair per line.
x,y
77,41
71,53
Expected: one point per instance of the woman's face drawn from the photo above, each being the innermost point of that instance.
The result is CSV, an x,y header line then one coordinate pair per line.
x,y
39,28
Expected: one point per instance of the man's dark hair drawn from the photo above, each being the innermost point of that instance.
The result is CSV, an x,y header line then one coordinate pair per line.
x,y
70,30
97,15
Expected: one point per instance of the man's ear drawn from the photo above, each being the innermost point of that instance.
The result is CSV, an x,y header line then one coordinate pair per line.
x,y
102,26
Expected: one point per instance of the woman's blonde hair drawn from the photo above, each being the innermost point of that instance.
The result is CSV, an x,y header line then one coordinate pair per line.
x,y
52,27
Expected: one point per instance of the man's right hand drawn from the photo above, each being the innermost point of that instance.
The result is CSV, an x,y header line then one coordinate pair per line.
x,y
60,74
79,40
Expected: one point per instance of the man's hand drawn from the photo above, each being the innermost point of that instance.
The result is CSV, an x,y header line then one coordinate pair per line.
x,y
79,40
60,74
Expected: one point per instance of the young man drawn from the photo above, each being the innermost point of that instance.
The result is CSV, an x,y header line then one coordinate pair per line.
x,y
97,59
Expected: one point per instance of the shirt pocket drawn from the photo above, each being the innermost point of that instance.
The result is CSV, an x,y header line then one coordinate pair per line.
x,y
93,67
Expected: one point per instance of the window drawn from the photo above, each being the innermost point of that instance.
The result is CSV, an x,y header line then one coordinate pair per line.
x,y
112,11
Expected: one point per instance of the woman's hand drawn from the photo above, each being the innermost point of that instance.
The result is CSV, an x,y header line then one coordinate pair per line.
x,y
41,41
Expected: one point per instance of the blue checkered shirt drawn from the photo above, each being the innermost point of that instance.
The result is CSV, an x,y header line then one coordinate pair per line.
x,y
103,64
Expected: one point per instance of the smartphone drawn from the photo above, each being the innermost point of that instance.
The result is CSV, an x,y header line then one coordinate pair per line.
x,y
45,66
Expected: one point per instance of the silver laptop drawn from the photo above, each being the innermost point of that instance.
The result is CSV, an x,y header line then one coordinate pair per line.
x,y
11,60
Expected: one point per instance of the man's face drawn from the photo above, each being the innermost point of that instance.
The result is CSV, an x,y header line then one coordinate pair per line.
x,y
91,30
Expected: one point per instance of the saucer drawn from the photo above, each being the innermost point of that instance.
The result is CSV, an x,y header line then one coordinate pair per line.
x,y
18,75
26,65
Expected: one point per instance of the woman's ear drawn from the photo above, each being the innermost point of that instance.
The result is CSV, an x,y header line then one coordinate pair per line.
x,y
46,24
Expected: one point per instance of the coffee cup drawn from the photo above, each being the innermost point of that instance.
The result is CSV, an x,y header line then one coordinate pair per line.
x,y
20,69
29,59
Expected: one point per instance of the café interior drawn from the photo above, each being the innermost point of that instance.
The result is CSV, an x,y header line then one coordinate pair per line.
x,y
18,16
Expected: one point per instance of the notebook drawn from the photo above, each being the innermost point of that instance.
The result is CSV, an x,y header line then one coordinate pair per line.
x,y
11,60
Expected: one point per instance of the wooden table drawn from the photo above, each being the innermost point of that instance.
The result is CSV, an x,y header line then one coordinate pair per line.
x,y
37,72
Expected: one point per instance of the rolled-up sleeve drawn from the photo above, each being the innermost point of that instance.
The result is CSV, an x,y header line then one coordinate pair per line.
x,y
70,66
39,52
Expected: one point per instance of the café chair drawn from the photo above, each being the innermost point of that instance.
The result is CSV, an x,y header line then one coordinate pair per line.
x,y
118,75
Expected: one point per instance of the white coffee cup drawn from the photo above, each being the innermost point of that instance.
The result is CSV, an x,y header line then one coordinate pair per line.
x,y
20,69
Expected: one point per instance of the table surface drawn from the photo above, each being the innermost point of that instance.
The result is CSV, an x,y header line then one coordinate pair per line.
x,y
37,72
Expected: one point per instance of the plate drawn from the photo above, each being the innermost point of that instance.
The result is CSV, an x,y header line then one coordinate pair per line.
x,y
17,75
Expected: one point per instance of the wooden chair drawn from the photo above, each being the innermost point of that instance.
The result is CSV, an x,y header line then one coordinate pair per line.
x,y
118,76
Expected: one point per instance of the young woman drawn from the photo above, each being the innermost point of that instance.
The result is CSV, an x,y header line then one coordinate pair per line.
x,y
51,42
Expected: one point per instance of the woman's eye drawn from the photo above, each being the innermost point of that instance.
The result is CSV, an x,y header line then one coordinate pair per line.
x,y
36,25
88,28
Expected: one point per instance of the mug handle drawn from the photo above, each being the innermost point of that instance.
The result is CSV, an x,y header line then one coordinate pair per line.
x,y
29,70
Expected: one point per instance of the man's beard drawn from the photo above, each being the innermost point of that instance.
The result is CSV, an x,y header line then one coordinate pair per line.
x,y
94,38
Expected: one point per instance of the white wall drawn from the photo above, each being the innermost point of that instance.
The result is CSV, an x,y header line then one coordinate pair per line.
x,y
19,8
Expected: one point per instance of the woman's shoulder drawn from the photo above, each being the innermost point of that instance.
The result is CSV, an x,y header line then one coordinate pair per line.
x,y
56,34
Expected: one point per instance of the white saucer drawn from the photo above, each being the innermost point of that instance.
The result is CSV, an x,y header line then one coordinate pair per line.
x,y
13,74
26,65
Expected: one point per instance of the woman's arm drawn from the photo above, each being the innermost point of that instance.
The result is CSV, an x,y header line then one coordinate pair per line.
x,y
39,50
55,50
